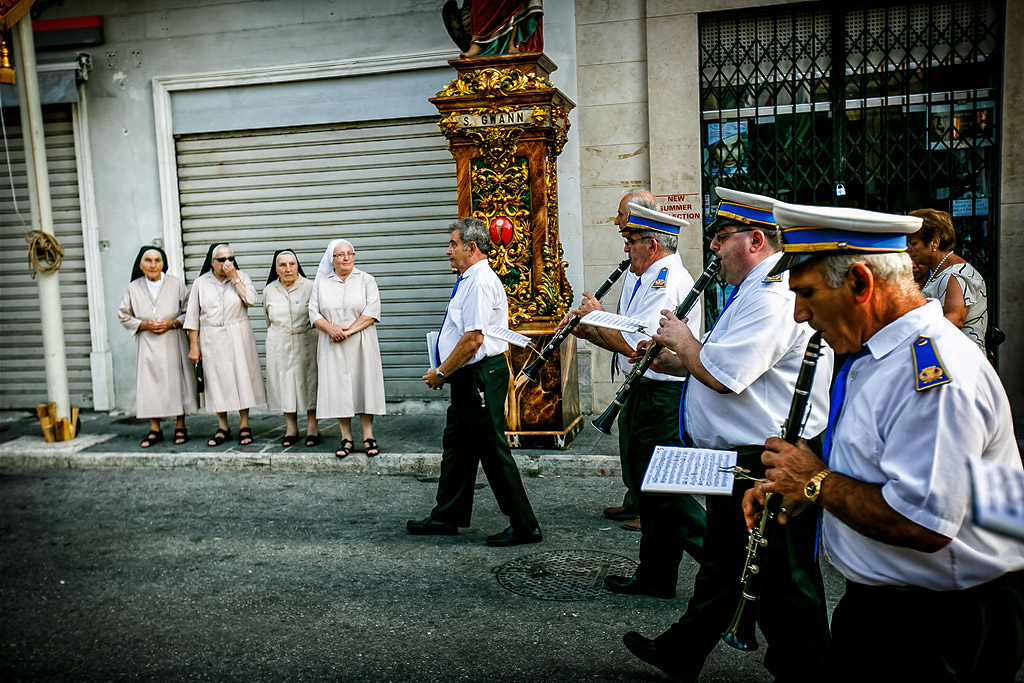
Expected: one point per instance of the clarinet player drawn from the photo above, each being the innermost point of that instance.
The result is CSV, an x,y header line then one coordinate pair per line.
x,y
929,591
669,523
742,376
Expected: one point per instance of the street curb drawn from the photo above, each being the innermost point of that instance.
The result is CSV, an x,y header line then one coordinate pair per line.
x,y
423,464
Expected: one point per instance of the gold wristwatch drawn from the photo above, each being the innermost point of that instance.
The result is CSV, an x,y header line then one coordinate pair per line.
x,y
813,488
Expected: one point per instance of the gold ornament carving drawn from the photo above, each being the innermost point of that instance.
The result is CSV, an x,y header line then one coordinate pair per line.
x,y
494,83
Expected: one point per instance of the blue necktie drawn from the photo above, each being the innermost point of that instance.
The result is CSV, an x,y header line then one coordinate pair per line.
x,y
615,354
686,384
836,402
437,352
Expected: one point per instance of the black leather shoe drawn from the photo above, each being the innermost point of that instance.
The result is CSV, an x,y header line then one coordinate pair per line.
x,y
634,585
431,527
512,537
647,650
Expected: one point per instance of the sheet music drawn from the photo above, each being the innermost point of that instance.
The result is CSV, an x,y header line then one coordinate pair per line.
x,y
612,321
505,334
432,348
690,470
998,493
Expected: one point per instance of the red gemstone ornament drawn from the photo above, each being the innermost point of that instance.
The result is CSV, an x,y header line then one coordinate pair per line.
x,y
501,231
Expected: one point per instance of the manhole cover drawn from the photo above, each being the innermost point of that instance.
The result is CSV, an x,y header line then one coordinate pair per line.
x,y
563,574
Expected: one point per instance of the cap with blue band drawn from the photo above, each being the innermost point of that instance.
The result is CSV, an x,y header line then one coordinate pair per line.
x,y
642,219
744,208
812,231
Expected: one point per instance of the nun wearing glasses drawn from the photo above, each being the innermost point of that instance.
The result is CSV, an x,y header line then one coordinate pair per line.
x,y
220,336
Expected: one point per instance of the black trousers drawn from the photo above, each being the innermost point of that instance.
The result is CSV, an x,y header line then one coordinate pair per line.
x,y
670,522
976,634
474,434
791,610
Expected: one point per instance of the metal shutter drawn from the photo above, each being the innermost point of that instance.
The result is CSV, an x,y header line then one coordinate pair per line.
x,y
22,370
389,187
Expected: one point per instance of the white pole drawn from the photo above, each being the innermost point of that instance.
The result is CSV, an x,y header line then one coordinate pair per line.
x,y
39,196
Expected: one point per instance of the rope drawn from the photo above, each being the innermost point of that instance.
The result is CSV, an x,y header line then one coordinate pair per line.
x,y
45,253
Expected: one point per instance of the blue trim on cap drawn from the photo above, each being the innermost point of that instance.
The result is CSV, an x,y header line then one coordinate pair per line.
x,y
640,223
745,213
820,239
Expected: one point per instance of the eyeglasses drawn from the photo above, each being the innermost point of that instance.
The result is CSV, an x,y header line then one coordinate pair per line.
x,y
631,242
225,258
346,254
723,236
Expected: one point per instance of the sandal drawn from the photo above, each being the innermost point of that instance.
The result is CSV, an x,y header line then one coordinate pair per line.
x,y
346,447
219,438
370,445
152,438
244,436
180,436
312,440
289,440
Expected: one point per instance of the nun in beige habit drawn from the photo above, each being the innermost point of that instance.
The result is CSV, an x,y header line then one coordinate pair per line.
x,y
219,335
153,309
291,347
345,307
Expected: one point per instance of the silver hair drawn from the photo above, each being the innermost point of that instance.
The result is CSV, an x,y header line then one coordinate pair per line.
x,y
473,230
340,241
894,267
668,243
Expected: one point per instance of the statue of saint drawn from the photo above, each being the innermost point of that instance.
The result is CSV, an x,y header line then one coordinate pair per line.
x,y
494,27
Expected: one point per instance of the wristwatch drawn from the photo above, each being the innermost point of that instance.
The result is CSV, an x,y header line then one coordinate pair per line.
x,y
440,375
813,488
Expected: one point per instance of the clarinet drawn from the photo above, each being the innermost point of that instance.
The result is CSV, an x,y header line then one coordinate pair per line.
x,y
740,633
607,418
532,371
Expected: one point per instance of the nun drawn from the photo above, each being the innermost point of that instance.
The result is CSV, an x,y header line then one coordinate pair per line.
x,y
153,310
345,308
220,336
291,347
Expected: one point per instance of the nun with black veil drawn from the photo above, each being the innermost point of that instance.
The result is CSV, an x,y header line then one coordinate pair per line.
x,y
220,336
153,310
291,347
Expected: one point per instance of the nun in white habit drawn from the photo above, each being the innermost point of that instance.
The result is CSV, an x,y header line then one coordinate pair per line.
x,y
221,337
345,307
291,347
153,309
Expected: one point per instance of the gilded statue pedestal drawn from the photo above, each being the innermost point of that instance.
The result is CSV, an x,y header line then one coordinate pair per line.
x,y
506,124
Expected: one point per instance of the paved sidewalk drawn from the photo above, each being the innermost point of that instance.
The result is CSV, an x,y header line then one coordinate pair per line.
x,y
410,444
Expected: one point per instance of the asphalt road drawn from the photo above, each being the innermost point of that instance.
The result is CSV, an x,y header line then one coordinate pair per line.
x,y
204,574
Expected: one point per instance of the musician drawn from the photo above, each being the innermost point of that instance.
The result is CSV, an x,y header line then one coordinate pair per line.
x,y
474,366
742,377
670,523
929,592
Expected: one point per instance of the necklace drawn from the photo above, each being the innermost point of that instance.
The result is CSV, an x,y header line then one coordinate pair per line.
x,y
935,271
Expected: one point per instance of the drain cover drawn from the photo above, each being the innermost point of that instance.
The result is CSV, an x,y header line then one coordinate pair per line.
x,y
563,574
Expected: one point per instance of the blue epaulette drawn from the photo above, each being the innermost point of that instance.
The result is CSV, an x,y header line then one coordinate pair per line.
x,y
659,282
928,368
768,279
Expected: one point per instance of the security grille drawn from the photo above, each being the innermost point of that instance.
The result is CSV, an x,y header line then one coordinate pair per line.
x,y
883,106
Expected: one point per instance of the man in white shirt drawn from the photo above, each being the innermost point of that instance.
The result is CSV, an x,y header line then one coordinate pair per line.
x,y
930,593
742,378
670,523
474,366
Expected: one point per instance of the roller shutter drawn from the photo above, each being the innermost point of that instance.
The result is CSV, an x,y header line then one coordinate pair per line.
x,y
22,370
388,187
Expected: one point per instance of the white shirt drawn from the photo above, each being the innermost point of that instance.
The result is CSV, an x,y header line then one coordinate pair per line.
x,y
755,349
479,303
916,444
655,294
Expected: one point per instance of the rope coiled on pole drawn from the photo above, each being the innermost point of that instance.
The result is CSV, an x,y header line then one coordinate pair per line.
x,y
45,253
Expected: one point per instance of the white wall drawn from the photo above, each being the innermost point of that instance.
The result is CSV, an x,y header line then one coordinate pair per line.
x,y
146,39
